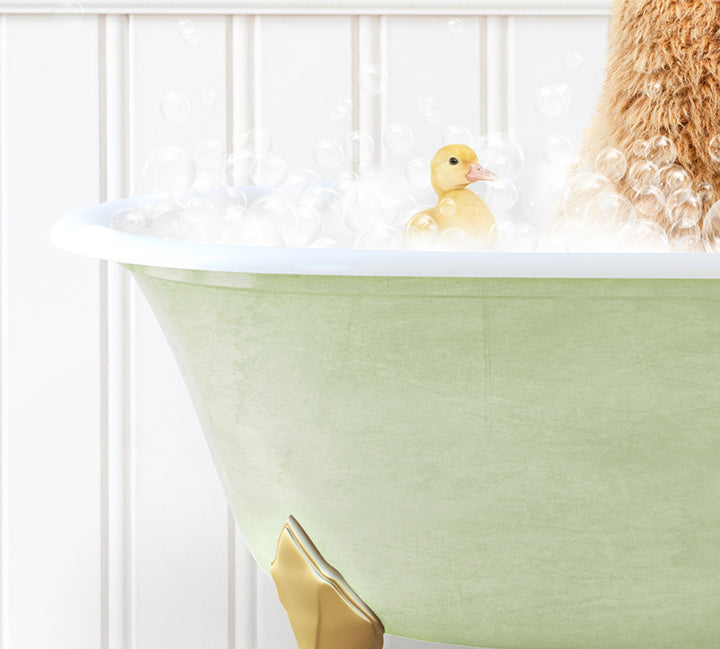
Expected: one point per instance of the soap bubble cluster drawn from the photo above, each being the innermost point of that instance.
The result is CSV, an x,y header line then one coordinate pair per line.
x,y
636,200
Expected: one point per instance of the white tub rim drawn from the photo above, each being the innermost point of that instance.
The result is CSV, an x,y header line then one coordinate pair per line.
x,y
87,232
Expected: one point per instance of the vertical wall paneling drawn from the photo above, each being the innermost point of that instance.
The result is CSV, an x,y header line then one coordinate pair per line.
x,y
180,511
115,333
241,88
498,86
368,106
4,463
299,85
52,356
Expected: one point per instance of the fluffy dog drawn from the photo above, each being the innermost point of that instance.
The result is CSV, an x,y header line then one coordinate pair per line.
x,y
662,78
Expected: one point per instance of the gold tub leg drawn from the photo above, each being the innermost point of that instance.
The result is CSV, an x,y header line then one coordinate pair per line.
x,y
324,612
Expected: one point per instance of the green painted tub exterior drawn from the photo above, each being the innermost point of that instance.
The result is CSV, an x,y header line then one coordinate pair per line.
x,y
505,463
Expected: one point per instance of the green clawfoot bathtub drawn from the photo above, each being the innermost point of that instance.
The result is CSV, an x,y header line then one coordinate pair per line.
x,y
513,451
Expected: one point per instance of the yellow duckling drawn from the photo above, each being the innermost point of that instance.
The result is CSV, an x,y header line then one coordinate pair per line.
x,y
452,169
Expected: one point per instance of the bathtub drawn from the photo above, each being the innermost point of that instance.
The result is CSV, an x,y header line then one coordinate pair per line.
x,y
513,451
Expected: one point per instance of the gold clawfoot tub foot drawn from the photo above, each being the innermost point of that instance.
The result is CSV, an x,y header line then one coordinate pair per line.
x,y
324,612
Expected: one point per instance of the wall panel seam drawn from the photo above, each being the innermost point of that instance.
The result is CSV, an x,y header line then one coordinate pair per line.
x,y
4,433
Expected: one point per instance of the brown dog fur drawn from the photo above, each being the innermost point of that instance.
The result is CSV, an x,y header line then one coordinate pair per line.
x,y
675,43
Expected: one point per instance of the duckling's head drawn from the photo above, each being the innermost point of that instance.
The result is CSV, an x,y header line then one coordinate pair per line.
x,y
455,166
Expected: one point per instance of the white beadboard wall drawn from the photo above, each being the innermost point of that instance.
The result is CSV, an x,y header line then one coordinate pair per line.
x,y
114,530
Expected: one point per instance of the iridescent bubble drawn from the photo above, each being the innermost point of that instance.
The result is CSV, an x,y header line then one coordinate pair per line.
x,y
432,117
649,200
360,146
642,173
501,153
611,163
457,134
70,14
188,31
341,110
455,26
175,107
641,148
447,207
171,222
398,139
394,209
558,149
373,79
653,89
210,154
259,141
685,239
268,170
705,192
208,98
621,210
502,195
328,154
583,194
574,60
673,177
129,220
684,208
421,231
554,100
649,236
169,169
379,236
662,151
714,148
426,103
366,169
711,228
417,172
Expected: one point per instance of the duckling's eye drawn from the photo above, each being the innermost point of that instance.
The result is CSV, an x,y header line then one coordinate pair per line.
x,y
453,161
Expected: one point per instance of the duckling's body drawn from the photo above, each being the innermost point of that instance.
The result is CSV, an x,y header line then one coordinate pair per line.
x,y
452,169
662,78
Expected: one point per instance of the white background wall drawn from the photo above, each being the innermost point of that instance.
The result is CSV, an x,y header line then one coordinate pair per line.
x,y
114,529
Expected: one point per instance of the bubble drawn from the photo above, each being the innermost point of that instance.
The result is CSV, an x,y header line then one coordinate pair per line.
x,y
341,109
544,198
714,148
210,154
302,185
198,209
684,208
641,174
552,242
711,228
558,149
653,89
501,153
259,141
171,222
621,210
421,231
208,98
574,60
432,117
705,192
524,238
662,151
455,26
584,197
457,134
502,195
394,209
365,169
685,239
373,79
453,239
70,14
673,177
175,107
237,199
417,172
129,220
426,103
188,31
297,227
641,148
649,236
649,200
328,154
253,231
379,236
398,139
447,207
238,165
554,100
169,169
325,242
611,163
269,170
360,146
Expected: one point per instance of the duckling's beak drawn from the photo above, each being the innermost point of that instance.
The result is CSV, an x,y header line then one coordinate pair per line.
x,y
478,172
